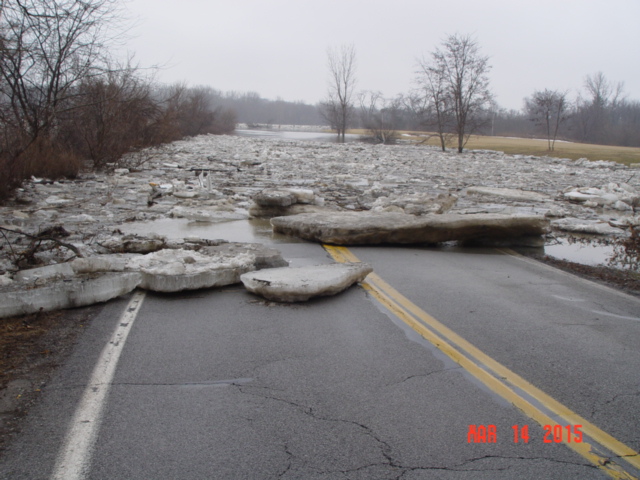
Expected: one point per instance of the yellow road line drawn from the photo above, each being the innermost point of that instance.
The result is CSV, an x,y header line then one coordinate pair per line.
x,y
539,406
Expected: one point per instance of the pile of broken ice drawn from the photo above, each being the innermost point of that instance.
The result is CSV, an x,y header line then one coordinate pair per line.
x,y
84,281
337,193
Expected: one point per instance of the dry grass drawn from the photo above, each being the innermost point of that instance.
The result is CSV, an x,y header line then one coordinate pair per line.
x,y
538,147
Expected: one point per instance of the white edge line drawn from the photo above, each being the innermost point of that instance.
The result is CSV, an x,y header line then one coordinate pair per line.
x,y
74,458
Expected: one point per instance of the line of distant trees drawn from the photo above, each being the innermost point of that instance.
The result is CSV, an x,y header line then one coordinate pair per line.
x,y
600,113
252,109
453,100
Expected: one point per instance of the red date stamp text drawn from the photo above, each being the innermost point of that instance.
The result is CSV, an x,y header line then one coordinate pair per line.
x,y
551,434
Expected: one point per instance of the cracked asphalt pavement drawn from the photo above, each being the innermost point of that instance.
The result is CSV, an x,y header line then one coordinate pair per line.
x,y
217,384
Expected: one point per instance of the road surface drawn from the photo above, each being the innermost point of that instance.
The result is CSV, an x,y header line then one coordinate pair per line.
x,y
445,364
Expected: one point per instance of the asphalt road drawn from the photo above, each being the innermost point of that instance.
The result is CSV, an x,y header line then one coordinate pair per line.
x,y
224,385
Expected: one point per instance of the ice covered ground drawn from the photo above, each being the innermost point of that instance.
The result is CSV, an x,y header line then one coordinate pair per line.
x,y
217,177
214,179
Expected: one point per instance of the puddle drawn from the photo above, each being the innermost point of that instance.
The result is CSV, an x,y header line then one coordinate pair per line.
x,y
593,251
586,251
252,230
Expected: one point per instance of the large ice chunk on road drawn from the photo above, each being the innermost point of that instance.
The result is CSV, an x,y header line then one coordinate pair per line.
x,y
302,283
172,270
79,291
359,228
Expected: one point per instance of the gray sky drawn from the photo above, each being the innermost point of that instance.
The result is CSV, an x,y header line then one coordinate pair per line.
x,y
278,48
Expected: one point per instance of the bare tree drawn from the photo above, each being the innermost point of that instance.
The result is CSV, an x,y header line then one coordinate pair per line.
x,y
434,101
603,93
63,100
48,48
548,109
593,116
457,77
337,109
379,116
114,116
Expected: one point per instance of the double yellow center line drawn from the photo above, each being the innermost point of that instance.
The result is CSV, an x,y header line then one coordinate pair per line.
x,y
600,448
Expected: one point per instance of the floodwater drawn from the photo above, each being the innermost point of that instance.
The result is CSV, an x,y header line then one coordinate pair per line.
x,y
297,136
252,230
583,250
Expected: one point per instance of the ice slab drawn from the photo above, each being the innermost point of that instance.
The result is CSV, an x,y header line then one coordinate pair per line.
x,y
511,194
76,292
360,228
576,225
302,283
174,270
265,257
43,273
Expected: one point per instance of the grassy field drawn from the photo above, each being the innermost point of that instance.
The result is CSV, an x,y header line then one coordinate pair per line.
x,y
537,147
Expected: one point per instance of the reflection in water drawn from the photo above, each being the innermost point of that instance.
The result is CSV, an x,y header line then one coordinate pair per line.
x,y
253,230
622,253
586,251
592,251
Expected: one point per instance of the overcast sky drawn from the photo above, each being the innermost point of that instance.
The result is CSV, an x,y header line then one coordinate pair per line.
x,y
278,48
